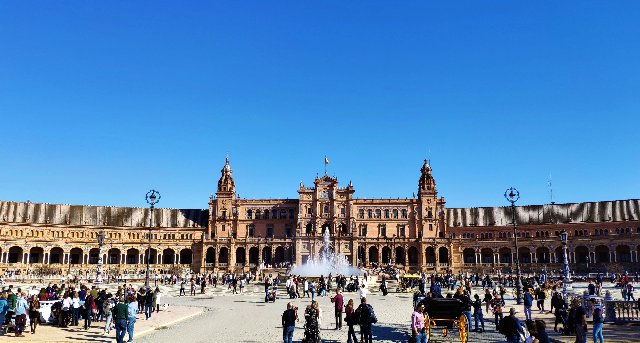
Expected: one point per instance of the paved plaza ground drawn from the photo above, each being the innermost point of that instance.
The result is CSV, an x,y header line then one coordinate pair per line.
x,y
220,316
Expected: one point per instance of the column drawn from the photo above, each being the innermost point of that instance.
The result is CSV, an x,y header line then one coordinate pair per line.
x,y
177,259
246,256
379,255
615,257
534,258
477,257
406,256
122,258
27,260
49,257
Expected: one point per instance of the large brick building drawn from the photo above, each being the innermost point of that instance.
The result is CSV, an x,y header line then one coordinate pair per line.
x,y
417,233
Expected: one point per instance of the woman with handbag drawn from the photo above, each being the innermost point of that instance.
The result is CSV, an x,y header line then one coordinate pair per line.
x,y
350,319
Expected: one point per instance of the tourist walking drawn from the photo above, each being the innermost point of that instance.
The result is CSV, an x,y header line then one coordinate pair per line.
x,y
75,309
34,313
477,313
107,307
367,318
131,319
148,304
338,300
418,330
540,296
4,306
289,317
88,310
120,314
312,325
579,320
350,319
598,321
21,313
511,327
182,288
528,302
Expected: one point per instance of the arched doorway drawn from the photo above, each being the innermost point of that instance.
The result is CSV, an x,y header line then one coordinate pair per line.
x,y
373,255
153,256
113,256
168,256
362,255
505,255
602,254
543,255
468,255
224,255
133,256
266,255
186,256
386,255
15,255
240,257
487,255
36,255
560,255
279,255
430,253
623,253
211,256
94,255
56,255
582,255
413,256
254,257
76,256
524,255
399,255
443,255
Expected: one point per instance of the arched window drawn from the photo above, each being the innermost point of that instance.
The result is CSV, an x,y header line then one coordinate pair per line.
x,y
386,213
326,209
369,212
378,213
404,213
395,214
266,214
361,214
249,214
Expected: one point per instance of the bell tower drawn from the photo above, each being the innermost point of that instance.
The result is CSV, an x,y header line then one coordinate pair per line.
x,y
431,208
221,210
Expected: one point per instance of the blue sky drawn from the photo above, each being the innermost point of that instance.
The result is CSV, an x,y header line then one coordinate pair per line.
x,y
101,101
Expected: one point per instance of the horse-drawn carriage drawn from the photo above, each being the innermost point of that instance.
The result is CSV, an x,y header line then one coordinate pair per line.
x,y
445,314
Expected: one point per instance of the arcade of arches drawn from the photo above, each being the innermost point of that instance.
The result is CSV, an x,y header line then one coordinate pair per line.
x,y
417,233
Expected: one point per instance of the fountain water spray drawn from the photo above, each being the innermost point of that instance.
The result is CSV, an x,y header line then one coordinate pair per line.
x,y
328,262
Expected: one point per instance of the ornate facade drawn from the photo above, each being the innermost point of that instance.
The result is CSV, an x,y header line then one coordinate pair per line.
x,y
417,233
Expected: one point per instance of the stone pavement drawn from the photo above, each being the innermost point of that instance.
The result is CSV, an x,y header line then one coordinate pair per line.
x,y
54,334
221,316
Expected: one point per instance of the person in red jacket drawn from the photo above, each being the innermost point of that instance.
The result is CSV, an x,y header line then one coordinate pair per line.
x,y
338,300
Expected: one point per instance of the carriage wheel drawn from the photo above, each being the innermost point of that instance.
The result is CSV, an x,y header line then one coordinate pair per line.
x,y
427,326
462,328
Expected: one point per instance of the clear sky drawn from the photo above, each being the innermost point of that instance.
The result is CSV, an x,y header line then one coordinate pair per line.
x,y
101,101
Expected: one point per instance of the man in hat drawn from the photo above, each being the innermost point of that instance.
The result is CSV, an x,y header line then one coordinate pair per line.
x,y
511,327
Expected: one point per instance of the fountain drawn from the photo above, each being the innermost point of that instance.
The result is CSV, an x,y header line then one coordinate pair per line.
x,y
327,263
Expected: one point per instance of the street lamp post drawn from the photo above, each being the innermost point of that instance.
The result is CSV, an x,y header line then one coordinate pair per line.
x,y
101,236
564,236
512,195
152,198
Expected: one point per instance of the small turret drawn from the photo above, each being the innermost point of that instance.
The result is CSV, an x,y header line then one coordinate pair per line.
x,y
226,184
426,184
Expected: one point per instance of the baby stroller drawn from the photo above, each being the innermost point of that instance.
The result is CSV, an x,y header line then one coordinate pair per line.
x,y
271,295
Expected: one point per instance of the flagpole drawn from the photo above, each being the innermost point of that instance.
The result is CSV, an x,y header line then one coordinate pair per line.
x,y
325,164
